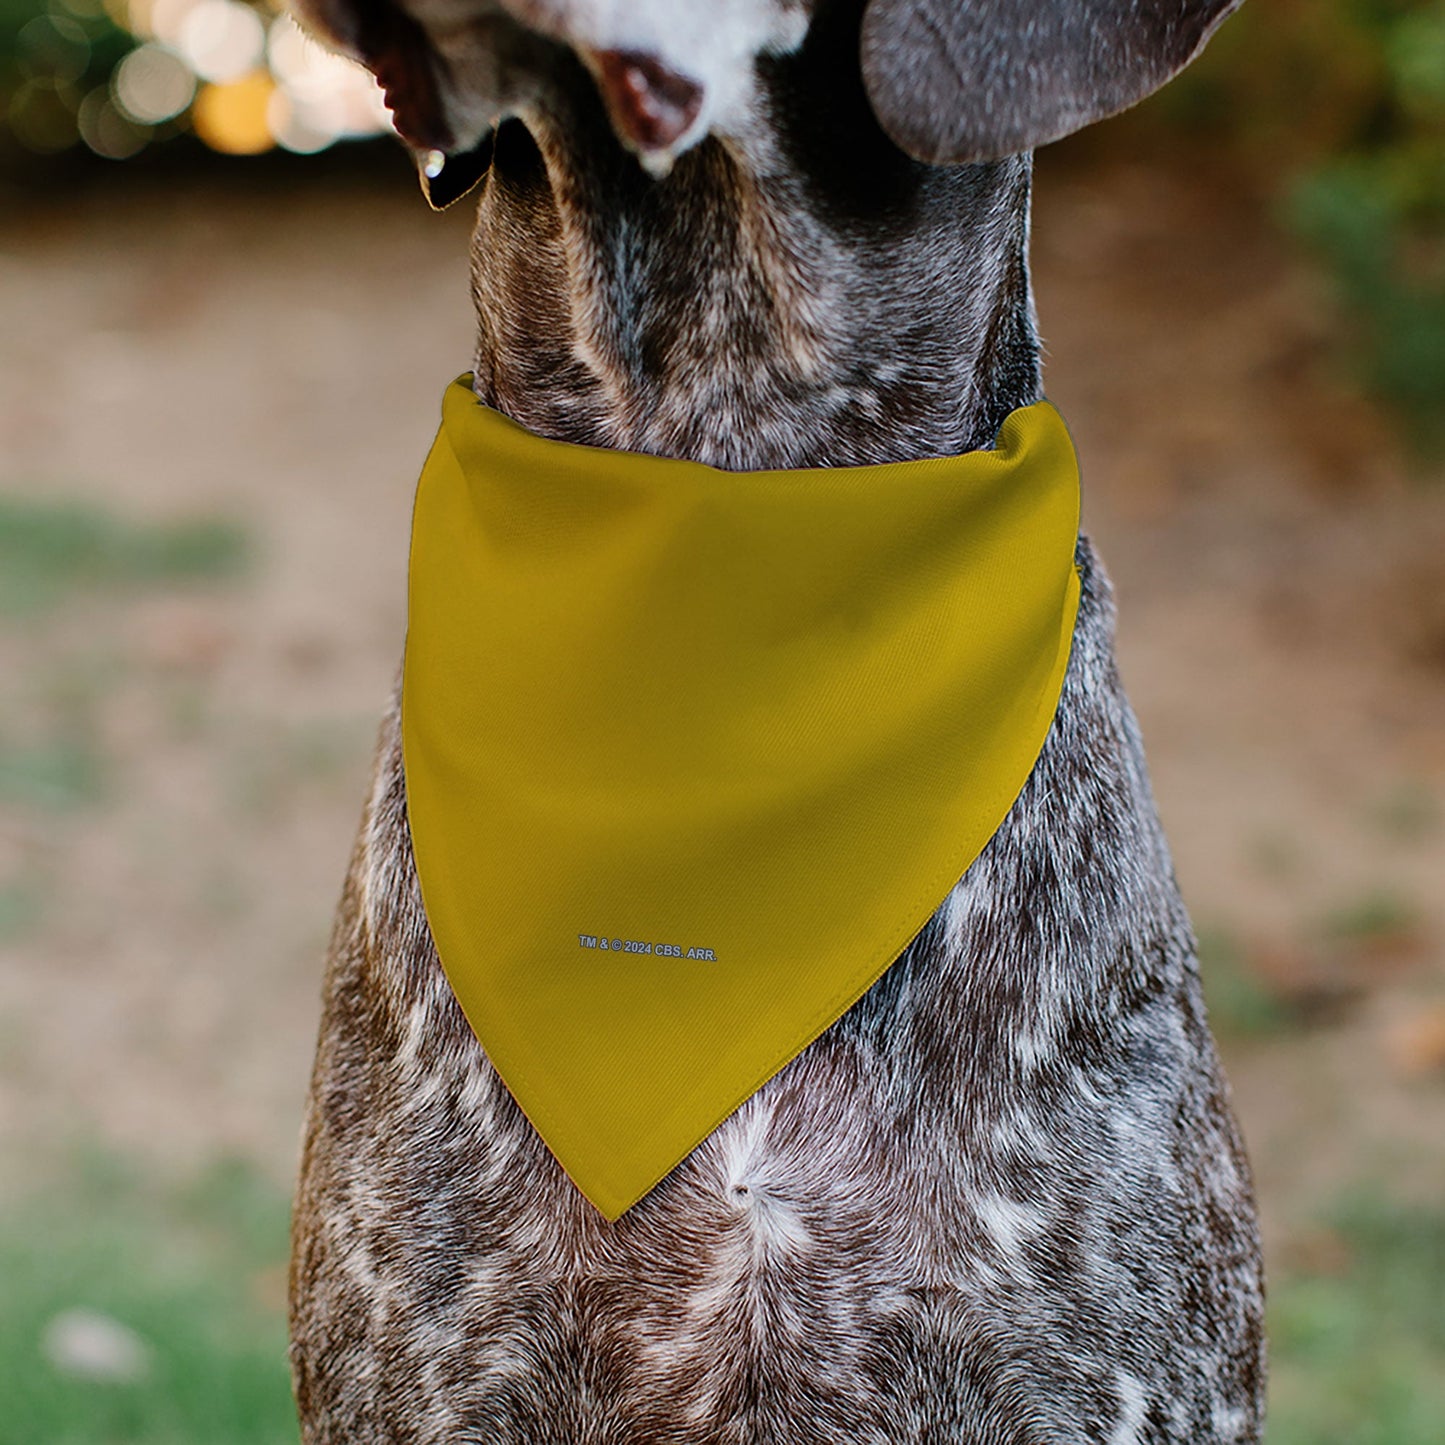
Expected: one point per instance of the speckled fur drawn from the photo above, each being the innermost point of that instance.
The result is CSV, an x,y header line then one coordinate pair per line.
x,y
1002,1200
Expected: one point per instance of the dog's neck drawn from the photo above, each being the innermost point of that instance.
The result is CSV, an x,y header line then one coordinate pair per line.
x,y
804,296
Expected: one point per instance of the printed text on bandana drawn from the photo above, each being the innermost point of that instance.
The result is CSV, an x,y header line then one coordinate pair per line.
x,y
638,945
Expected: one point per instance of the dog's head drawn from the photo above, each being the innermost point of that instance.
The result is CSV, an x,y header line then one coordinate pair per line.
x,y
948,80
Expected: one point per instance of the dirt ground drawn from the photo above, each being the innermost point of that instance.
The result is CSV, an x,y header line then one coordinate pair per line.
x,y
276,357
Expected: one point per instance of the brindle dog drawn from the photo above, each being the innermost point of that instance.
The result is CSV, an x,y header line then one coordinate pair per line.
x,y
1002,1200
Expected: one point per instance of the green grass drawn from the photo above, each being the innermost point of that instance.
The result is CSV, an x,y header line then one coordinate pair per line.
x,y
1239,1003
56,775
52,549
271,764
1408,813
21,906
193,1272
1358,1349
56,550
1372,916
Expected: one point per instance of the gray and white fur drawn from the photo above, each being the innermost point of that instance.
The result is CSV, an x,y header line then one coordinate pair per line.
x,y
1003,1200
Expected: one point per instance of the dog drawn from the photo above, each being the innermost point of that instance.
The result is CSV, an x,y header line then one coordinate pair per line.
x,y
1003,1199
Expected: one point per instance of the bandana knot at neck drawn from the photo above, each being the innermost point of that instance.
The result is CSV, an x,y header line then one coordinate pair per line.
x,y
692,755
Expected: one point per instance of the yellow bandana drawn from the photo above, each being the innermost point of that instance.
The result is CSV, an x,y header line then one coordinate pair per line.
x,y
691,755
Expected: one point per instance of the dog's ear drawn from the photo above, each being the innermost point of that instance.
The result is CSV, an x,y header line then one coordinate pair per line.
x,y
975,80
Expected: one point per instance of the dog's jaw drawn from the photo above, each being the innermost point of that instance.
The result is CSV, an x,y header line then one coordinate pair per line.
x,y
669,74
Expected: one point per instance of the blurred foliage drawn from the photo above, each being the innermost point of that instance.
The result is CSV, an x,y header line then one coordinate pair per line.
x,y
1337,108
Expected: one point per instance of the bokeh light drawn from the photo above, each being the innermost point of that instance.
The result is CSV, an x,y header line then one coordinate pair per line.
x,y
153,84
55,45
119,75
42,114
232,117
318,99
221,40
106,130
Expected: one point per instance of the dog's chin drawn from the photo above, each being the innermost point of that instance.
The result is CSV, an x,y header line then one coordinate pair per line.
x,y
448,95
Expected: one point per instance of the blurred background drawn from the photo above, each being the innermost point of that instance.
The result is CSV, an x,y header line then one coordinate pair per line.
x,y
226,318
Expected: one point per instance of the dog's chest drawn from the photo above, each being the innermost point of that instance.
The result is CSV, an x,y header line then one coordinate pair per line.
x,y
1004,1185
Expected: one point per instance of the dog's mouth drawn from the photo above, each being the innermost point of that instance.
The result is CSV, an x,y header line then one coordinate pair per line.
x,y
449,83
451,72
413,77
650,106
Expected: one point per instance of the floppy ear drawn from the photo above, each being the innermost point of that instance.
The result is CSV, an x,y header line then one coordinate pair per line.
x,y
975,80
